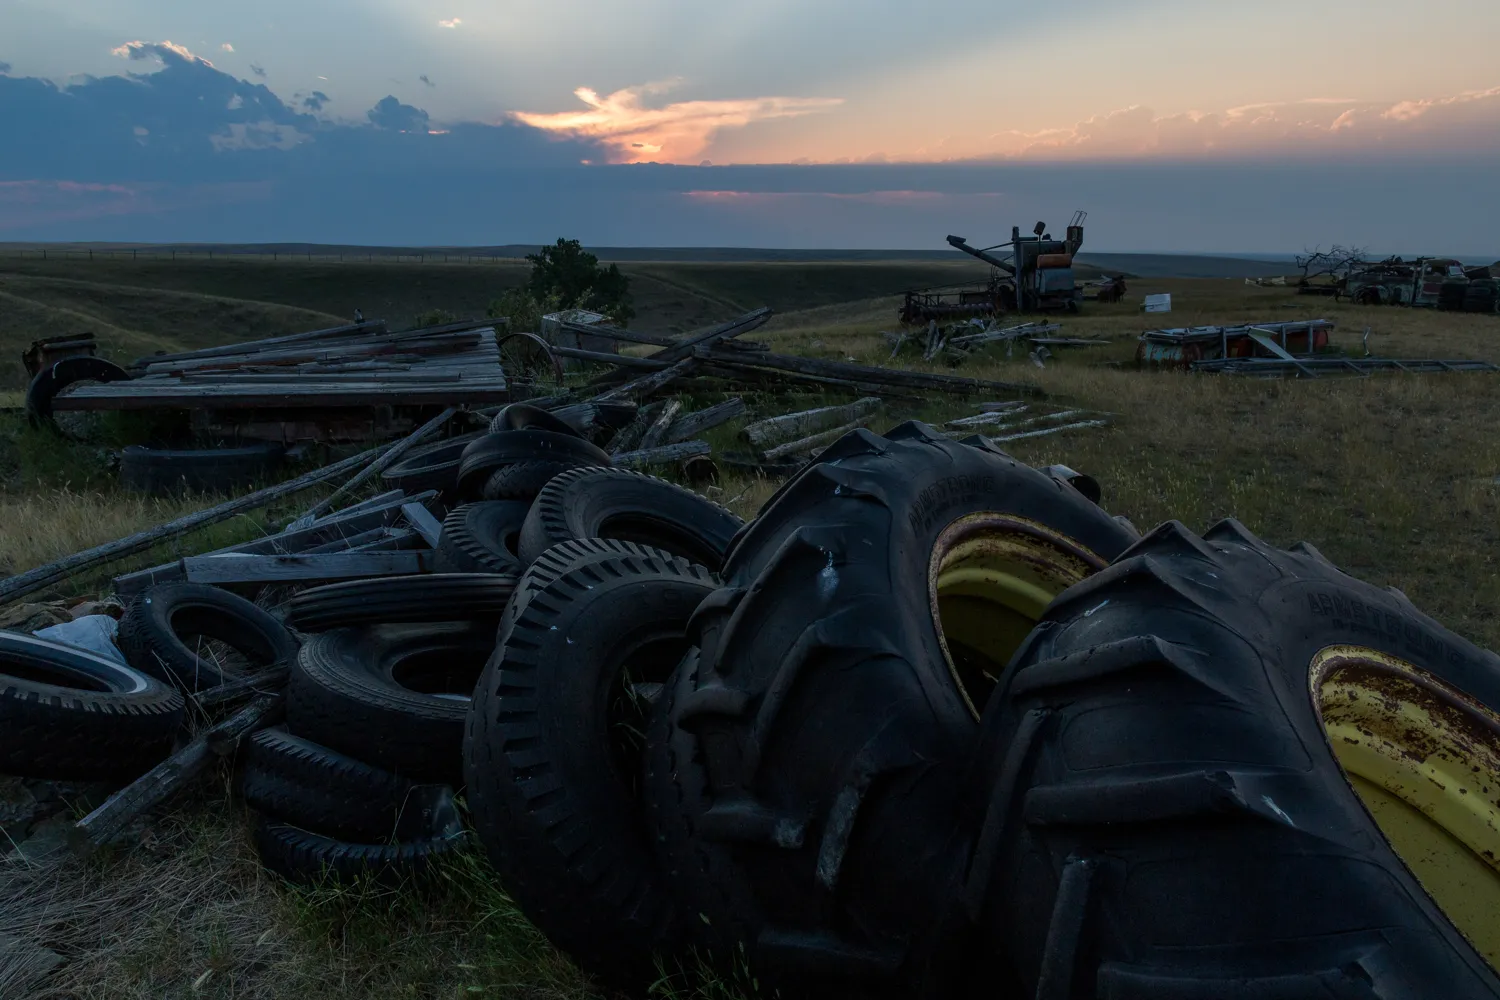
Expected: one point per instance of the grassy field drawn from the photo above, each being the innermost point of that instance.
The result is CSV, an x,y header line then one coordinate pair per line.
x,y
1394,478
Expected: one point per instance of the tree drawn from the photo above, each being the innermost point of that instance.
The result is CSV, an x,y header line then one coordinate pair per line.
x,y
1337,262
571,276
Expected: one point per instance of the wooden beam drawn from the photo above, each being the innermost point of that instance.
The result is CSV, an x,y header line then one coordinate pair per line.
x,y
692,425
665,455
813,441
647,384
373,327
300,566
378,466
871,373
773,430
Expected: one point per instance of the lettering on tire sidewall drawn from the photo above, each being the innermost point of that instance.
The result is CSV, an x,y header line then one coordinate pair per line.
x,y
1393,629
931,506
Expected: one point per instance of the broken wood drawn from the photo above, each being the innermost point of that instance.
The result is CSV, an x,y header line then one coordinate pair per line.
x,y
989,417
262,682
600,357
300,567
870,373
803,446
171,776
615,333
658,430
378,466
664,455
647,384
768,432
33,580
373,327
630,435
693,424
1053,430
687,346
422,521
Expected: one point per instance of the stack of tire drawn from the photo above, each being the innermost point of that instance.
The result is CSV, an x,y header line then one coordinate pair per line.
x,y
1480,296
940,726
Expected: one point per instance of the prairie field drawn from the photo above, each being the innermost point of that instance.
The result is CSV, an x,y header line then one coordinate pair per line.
x,y
1395,478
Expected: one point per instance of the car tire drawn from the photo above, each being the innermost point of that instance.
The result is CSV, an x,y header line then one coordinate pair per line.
x,y
482,537
155,633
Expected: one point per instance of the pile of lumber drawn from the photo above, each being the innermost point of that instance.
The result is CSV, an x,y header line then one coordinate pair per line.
x,y
362,364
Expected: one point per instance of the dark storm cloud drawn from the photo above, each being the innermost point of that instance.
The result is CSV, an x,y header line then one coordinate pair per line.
x,y
390,113
258,71
425,80
315,101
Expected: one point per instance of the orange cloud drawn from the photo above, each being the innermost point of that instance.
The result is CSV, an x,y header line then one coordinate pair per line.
x,y
675,133
164,51
1461,122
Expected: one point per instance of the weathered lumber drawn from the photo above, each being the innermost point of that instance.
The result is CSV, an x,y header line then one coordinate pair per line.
x,y
664,455
766,433
691,425
630,435
872,373
378,466
658,430
687,346
423,523
300,566
600,357
345,544
171,775
615,333
373,327
988,417
1053,430
291,394
812,441
647,384
263,682
1009,404
35,579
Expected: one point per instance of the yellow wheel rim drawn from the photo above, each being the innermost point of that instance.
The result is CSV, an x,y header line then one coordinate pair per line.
x,y
990,578
1425,760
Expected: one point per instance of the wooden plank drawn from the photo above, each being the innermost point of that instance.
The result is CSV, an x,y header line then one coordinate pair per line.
x,y
235,568
688,346
645,385
1053,430
814,441
599,357
664,455
615,333
33,580
870,373
766,433
658,429
691,425
372,327
421,519
288,397
378,466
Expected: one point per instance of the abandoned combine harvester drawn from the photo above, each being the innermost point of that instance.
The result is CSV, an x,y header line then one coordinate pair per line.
x,y
1038,277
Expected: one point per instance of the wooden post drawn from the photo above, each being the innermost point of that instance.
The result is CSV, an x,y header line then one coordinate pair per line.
x,y
378,466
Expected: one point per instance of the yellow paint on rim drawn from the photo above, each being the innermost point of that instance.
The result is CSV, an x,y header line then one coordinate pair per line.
x,y
1425,759
990,577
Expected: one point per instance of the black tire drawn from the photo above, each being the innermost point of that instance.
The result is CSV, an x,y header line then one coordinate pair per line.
x,y
164,630
430,597
1161,809
297,781
346,692
162,471
567,557
307,858
524,416
70,714
832,710
430,466
488,453
522,480
482,538
553,754
56,377
630,506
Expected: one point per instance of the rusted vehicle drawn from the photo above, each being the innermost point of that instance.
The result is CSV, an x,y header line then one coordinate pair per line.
x,y
1429,282
1180,347
1037,277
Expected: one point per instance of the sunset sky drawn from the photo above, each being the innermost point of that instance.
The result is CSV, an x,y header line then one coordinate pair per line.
x,y
1197,126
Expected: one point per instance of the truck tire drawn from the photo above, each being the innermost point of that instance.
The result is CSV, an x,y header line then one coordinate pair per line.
x,y
553,753
631,506
428,597
166,471
297,781
165,629
482,537
392,695
523,480
1218,769
492,451
306,858
863,618
525,417
57,376
70,714
429,466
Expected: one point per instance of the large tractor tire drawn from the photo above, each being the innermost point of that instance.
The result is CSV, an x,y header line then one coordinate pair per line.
x,y
1223,770
863,619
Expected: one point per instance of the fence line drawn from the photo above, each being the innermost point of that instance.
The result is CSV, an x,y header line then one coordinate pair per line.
x,y
253,255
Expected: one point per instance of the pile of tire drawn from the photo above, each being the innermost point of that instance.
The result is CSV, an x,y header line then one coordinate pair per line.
x,y
935,724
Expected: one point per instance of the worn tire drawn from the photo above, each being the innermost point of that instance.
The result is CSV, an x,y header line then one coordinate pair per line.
x,y
492,451
482,537
152,634
69,714
307,858
429,466
630,506
552,766
345,693
524,417
1161,807
522,480
833,713
163,471
429,597
297,781
56,377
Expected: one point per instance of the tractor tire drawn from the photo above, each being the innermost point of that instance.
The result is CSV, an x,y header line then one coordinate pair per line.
x,y
163,634
863,619
553,753
392,695
1218,769
482,538
630,506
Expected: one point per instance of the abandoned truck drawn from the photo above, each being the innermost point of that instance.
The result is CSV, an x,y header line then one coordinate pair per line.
x,y
1429,282
1037,277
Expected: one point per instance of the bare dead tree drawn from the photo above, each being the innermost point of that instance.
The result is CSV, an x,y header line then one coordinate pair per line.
x,y
1336,262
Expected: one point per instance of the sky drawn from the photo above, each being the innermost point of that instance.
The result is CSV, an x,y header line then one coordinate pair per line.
x,y
1177,125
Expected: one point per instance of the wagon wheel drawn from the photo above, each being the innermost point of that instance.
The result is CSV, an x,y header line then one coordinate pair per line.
x,y
527,356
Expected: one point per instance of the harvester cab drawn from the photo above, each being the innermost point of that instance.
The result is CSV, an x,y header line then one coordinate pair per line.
x,y
1039,271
